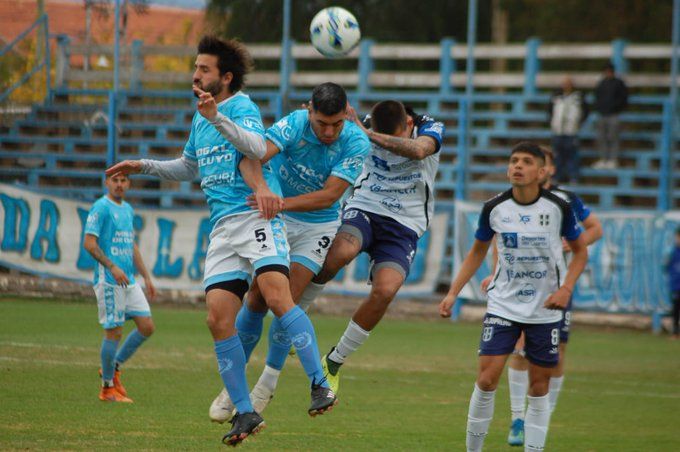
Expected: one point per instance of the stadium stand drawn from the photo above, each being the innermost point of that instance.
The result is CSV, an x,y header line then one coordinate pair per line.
x,y
61,144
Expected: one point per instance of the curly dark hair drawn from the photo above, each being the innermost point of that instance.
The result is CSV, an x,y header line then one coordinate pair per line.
x,y
232,56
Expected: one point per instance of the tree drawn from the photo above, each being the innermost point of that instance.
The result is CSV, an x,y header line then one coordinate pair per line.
x,y
102,9
383,20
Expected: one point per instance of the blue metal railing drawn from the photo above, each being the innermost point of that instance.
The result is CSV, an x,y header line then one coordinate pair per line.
x,y
45,61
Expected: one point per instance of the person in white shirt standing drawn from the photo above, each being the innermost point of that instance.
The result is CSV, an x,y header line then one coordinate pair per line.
x,y
566,113
530,288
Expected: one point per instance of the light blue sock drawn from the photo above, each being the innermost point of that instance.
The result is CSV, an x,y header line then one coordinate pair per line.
x,y
279,345
130,346
108,355
301,331
231,363
249,327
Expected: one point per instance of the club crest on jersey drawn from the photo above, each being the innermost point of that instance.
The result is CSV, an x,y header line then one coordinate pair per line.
x,y
544,219
509,239
380,163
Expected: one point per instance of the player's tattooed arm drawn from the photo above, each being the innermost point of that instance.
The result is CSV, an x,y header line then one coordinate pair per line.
x,y
412,148
91,245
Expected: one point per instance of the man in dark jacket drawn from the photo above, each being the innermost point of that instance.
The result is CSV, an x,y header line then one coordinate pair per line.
x,y
611,98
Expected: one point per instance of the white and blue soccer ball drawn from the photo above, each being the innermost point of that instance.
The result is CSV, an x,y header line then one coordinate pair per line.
x,y
334,32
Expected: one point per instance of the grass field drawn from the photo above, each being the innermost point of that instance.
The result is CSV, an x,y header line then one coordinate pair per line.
x,y
407,389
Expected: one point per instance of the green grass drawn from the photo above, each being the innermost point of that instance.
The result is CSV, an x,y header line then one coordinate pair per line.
x,y
407,389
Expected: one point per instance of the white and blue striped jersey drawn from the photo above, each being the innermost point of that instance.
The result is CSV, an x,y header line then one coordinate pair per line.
x,y
305,163
398,187
112,224
531,264
218,159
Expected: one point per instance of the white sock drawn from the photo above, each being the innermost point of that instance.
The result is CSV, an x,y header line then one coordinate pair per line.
x,y
307,298
518,382
351,339
554,391
269,379
536,423
480,414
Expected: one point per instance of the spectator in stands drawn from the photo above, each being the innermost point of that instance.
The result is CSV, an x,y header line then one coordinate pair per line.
x,y
611,98
673,268
567,111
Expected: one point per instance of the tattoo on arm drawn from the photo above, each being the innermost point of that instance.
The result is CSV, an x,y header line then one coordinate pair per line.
x,y
405,147
100,257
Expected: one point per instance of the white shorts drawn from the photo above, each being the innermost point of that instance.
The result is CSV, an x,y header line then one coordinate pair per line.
x,y
241,244
310,242
117,304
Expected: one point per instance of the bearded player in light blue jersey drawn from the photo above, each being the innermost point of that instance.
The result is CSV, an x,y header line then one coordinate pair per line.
x,y
317,155
227,128
110,239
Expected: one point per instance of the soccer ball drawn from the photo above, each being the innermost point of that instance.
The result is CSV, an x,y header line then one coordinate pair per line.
x,y
335,32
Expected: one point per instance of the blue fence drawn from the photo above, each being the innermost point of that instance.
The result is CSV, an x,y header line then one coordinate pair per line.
x,y
64,144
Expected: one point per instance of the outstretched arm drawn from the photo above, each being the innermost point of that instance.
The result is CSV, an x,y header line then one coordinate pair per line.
x,y
467,269
412,148
250,144
177,169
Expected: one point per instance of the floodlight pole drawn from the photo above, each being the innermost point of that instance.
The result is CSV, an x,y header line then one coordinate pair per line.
x,y
674,59
113,93
285,57
670,109
467,106
465,109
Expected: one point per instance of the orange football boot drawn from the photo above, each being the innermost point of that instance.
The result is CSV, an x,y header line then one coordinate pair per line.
x,y
117,383
110,394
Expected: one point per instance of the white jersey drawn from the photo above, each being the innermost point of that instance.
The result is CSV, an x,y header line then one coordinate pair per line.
x,y
398,187
531,264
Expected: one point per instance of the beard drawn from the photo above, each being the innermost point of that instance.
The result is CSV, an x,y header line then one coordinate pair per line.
x,y
213,88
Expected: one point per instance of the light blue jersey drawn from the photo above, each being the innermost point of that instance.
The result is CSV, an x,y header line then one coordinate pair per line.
x,y
111,223
305,163
218,160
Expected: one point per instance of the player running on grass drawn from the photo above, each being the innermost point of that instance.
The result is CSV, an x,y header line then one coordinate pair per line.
x,y
110,239
241,241
316,155
391,207
531,286
518,365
